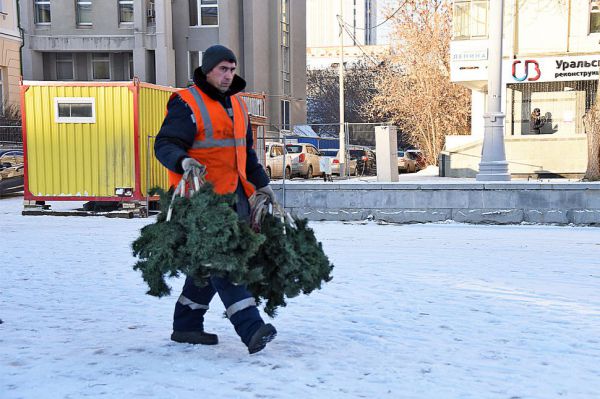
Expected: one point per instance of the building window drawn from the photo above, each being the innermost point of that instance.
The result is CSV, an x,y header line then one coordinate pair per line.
x,y
42,12
560,103
125,11
2,11
594,16
370,21
75,109
150,13
100,66
285,46
204,13
64,66
84,12
285,115
130,65
194,61
470,19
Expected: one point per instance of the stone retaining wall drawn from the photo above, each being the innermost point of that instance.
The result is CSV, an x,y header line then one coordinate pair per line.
x,y
497,203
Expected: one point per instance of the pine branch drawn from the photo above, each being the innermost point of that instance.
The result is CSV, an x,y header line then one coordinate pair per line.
x,y
204,238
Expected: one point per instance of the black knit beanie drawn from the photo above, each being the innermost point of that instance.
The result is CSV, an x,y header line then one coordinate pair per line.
x,y
214,55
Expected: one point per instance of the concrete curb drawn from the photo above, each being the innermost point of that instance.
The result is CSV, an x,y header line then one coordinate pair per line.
x,y
480,203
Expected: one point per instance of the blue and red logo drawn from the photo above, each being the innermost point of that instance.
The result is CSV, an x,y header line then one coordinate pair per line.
x,y
526,71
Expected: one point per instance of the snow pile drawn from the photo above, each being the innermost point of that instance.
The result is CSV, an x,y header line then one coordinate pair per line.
x,y
430,170
415,311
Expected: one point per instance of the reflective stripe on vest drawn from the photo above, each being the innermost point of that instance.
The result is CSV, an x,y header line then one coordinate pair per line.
x,y
209,141
244,111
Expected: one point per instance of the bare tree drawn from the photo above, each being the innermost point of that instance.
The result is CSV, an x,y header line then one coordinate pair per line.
x,y
591,122
322,91
416,92
359,89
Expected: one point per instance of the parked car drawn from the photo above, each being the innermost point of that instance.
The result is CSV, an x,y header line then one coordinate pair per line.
x,y
406,163
334,159
305,159
274,161
11,172
366,163
417,155
11,152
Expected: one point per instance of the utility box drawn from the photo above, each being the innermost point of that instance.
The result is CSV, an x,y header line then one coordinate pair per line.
x,y
91,141
386,144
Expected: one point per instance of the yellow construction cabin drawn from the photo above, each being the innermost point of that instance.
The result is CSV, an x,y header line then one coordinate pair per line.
x,y
90,141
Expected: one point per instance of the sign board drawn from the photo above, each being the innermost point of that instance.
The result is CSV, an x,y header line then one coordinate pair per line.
x,y
551,69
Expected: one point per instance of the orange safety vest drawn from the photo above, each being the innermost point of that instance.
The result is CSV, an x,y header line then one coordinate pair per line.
x,y
220,143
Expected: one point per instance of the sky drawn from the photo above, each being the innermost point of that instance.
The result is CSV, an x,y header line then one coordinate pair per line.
x,y
441,310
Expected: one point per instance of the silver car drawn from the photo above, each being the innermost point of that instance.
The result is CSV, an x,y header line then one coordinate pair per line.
x,y
334,159
274,161
406,163
305,159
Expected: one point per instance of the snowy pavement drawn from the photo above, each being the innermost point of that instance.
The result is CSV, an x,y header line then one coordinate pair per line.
x,y
414,311
429,175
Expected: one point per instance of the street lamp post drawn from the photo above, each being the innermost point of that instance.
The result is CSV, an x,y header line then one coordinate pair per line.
x,y
341,80
493,165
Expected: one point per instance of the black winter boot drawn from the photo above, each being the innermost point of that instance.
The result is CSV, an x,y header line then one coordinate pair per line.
x,y
195,337
265,334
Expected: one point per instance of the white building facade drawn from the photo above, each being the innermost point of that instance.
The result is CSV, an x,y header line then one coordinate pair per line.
x,y
323,25
366,30
551,60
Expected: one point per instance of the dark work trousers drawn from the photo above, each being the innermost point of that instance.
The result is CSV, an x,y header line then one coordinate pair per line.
x,y
239,304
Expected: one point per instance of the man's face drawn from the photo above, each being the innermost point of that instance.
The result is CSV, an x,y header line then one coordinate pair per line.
x,y
221,76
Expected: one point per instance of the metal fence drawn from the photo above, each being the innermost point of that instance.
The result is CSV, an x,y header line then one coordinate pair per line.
x,y
278,151
326,139
11,136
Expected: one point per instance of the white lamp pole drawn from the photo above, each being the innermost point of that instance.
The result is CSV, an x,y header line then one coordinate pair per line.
x,y
493,165
341,78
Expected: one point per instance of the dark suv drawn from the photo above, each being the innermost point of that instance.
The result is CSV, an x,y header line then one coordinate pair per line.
x,y
366,163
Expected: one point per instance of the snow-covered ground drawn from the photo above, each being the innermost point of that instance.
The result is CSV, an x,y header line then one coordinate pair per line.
x,y
425,176
414,311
